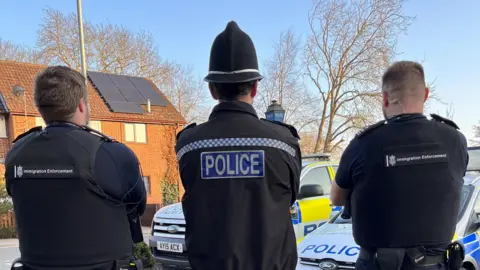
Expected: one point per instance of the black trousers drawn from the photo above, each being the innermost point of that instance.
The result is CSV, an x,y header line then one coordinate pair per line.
x,y
369,265
101,266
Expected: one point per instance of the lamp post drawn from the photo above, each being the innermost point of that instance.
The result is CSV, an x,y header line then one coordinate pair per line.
x,y
82,43
275,112
19,91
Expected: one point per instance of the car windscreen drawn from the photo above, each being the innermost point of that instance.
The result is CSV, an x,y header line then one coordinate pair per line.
x,y
473,159
467,191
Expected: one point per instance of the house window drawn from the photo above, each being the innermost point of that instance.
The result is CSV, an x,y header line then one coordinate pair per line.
x,y
97,125
135,133
146,181
39,122
3,127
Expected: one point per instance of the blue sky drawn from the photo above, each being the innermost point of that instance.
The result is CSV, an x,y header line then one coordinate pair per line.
x,y
443,37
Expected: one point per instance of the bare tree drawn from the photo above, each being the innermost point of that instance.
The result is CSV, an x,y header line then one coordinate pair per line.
x,y
307,142
283,83
449,111
118,50
58,39
351,43
14,52
475,141
186,93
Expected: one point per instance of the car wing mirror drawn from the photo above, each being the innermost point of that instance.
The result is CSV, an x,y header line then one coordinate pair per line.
x,y
307,191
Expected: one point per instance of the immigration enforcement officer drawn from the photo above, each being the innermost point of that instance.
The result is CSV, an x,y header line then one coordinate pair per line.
x,y
403,177
240,173
72,187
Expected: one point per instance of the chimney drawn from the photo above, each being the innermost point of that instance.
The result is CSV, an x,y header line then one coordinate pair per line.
x,y
149,108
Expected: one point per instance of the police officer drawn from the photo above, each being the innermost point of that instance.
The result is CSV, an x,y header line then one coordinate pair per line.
x,y
73,188
240,173
402,178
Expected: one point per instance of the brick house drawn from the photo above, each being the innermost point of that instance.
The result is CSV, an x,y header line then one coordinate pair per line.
x,y
150,134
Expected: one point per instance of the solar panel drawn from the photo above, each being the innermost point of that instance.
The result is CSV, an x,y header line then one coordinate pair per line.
x,y
128,90
147,90
126,107
125,94
105,86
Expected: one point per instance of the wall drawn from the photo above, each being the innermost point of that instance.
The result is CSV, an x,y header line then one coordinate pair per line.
x,y
154,156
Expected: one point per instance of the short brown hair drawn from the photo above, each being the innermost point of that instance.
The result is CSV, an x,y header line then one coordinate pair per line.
x,y
404,78
58,91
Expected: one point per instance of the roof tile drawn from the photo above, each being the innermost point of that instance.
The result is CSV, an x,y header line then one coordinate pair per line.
x,y
23,74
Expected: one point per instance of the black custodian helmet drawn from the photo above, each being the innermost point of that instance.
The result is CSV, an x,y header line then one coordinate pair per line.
x,y
233,58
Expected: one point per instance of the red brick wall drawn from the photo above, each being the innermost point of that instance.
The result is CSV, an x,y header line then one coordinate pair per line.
x,y
154,156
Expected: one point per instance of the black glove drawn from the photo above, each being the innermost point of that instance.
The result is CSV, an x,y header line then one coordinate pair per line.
x,y
135,228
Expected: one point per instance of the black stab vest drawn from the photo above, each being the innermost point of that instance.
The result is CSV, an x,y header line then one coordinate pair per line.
x,y
410,188
63,217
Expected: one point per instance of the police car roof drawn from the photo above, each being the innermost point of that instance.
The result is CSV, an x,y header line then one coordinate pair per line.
x,y
316,156
308,159
309,163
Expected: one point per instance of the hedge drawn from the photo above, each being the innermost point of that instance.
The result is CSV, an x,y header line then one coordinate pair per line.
x,y
142,252
6,233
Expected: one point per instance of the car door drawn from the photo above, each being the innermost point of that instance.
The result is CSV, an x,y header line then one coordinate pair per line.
x,y
471,236
314,211
333,172
473,224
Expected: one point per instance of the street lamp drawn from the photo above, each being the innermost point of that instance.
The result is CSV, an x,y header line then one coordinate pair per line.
x,y
275,112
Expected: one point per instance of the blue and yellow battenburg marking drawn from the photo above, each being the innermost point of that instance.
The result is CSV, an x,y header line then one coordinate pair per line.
x,y
296,213
471,243
333,249
233,164
315,211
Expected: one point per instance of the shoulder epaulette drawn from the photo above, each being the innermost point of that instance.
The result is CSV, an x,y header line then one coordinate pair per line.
x,y
185,128
449,122
99,134
31,131
370,128
292,129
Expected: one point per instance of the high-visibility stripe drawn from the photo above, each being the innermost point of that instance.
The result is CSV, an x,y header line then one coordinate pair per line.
x,y
235,142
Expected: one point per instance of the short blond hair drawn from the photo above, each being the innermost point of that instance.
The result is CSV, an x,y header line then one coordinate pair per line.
x,y
404,78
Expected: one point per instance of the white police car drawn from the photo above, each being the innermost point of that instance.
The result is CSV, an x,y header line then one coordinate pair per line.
x,y
312,209
168,237
332,247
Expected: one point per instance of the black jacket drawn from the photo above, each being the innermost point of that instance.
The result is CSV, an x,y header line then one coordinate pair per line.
x,y
241,175
64,218
405,176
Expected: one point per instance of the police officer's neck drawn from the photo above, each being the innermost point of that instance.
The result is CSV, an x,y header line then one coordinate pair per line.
x,y
395,111
73,121
78,120
245,99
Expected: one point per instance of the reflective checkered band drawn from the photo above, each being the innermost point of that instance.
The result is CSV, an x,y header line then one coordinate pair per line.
x,y
236,142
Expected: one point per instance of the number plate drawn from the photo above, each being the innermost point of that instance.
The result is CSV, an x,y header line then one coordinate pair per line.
x,y
172,247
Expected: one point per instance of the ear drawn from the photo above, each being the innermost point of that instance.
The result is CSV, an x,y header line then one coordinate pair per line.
x,y
385,99
212,91
253,93
82,106
426,94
